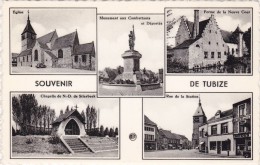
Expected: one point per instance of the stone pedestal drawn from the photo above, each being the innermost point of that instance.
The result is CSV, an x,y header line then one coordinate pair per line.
x,y
131,65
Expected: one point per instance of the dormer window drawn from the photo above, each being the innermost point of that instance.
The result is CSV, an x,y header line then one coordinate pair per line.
x,y
217,115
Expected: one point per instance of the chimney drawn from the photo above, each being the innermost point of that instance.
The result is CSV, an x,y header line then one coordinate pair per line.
x,y
196,24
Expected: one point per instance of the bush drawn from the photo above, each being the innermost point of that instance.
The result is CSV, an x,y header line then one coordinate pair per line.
x,y
54,139
29,140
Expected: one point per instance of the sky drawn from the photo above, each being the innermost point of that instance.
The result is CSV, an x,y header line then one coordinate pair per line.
x,y
44,21
113,42
175,114
228,22
109,107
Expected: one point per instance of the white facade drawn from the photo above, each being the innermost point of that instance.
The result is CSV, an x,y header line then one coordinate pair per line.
x,y
220,142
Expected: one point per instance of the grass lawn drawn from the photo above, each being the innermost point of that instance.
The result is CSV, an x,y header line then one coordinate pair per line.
x,y
40,145
40,148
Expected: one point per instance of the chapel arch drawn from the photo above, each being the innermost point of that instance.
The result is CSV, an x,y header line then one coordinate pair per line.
x,y
72,128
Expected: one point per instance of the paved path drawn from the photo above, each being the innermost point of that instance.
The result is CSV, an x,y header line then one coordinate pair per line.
x,y
175,154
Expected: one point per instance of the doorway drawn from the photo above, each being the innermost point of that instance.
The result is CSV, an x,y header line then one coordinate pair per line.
x,y
72,128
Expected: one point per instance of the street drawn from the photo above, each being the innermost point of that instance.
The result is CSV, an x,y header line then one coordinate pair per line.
x,y
175,154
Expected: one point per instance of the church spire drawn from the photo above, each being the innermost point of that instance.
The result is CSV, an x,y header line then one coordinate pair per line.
x,y
199,111
199,101
28,16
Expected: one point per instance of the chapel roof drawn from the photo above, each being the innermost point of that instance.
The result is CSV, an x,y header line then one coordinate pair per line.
x,y
65,41
148,121
223,115
238,30
68,114
87,48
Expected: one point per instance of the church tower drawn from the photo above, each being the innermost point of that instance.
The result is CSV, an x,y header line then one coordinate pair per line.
x,y
199,118
239,33
28,36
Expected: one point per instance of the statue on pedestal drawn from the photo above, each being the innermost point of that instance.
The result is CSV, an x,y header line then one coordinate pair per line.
x,y
132,39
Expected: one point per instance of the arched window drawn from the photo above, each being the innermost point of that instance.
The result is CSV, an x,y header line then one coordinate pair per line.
x,y
36,55
60,53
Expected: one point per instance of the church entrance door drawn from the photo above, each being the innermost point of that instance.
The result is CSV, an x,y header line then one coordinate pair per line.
x,y
72,128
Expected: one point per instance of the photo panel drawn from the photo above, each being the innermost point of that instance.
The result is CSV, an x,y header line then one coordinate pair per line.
x,y
60,125
131,55
198,126
209,41
52,40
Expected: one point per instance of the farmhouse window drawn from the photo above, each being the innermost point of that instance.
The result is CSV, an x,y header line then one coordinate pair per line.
x,y
205,54
212,54
60,53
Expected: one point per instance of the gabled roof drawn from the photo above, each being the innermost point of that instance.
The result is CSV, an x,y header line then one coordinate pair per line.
x,y
185,44
87,48
14,55
28,28
148,121
202,26
68,114
65,41
238,30
26,52
183,137
168,134
46,38
199,111
190,26
51,54
224,115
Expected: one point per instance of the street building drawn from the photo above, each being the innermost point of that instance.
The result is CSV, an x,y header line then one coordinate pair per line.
x,y
242,126
150,134
220,133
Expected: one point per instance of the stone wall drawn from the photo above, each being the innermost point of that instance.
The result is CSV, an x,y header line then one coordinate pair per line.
x,y
66,61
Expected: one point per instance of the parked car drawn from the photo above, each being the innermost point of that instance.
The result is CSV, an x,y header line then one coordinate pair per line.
x,y
40,65
247,154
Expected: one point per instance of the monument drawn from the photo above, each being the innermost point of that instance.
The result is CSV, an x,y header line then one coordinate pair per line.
x,y
131,59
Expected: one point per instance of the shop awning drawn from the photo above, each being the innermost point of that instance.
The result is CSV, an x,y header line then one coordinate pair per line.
x,y
202,143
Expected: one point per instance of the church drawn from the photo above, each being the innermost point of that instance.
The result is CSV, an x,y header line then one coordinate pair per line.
x,y
202,43
52,51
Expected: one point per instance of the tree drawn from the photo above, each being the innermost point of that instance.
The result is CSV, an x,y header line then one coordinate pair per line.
x,y
83,115
106,132
247,39
120,69
16,111
67,109
61,112
87,117
101,131
111,132
28,102
116,131
111,73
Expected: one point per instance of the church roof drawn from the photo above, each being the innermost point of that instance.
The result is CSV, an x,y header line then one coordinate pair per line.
x,y
199,111
26,52
148,121
51,54
14,55
28,28
87,48
223,115
65,41
68,114
46,38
